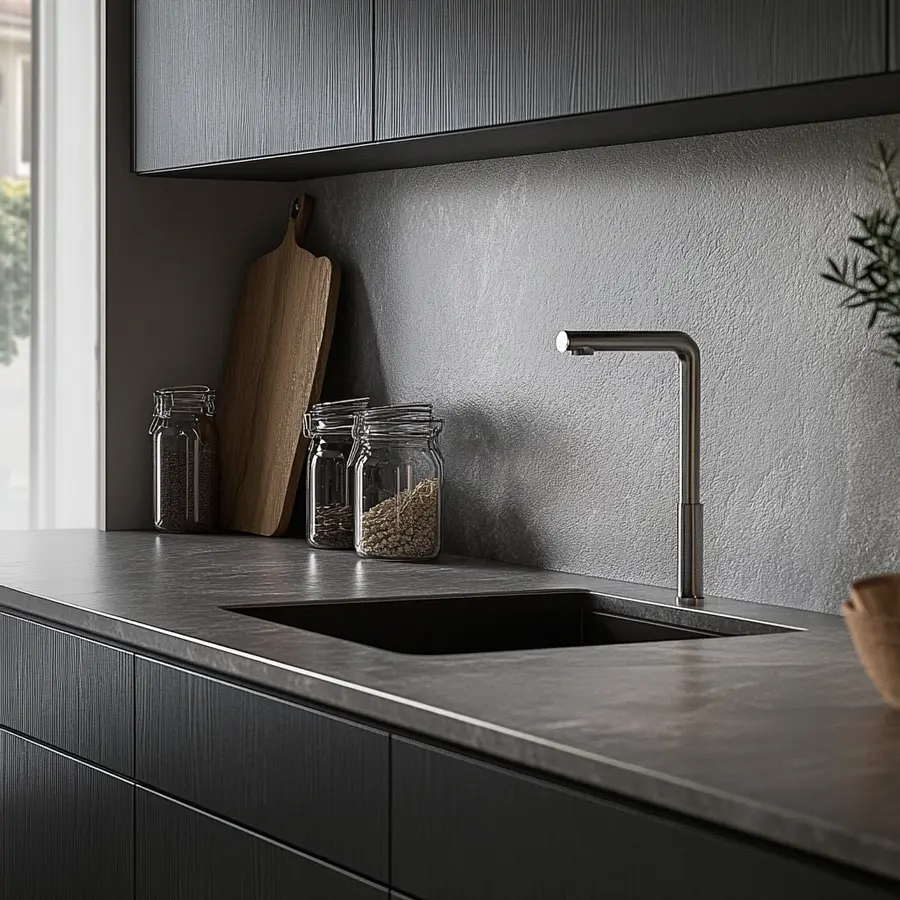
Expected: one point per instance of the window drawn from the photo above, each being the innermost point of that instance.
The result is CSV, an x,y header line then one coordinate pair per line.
x,y
64,390
15,263
49,263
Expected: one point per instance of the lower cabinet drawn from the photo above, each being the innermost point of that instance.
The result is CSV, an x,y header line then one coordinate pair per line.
x,y
316,782
67,692
238,795
461,828
183,854
65,827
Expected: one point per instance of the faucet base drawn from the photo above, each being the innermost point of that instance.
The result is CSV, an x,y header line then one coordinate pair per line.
x,y
690,554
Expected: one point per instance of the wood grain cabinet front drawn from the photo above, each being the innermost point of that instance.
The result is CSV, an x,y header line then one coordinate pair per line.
x,y
219,80
447,65
314,781
893,11
65,827
464,828
67,691
183,854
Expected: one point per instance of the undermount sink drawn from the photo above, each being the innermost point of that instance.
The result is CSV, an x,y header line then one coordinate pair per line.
x,y
450,624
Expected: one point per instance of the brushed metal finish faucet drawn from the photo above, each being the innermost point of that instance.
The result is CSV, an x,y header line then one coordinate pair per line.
x,y
690,509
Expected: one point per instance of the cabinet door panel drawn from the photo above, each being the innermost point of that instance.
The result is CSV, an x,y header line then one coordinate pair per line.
x,y
67,691
464,828
65,827
183,854
314,781
235,79
894,34
444,65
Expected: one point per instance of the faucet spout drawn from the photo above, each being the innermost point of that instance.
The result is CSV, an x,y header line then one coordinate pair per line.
x,y
690,509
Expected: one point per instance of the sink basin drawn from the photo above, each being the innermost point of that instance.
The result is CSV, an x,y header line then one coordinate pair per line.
x,y
444,625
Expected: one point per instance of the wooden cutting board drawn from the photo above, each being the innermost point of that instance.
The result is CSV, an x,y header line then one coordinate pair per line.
x,y
276,361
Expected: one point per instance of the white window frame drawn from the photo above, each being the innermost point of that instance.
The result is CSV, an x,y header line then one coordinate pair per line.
x,y
23,66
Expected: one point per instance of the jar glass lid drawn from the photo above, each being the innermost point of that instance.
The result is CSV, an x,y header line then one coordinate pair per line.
x,y
191,398
333,417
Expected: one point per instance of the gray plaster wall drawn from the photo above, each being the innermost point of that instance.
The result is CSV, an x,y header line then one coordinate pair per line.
x,y
457,279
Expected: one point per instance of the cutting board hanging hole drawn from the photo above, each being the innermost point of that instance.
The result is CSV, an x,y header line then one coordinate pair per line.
x,y
301,210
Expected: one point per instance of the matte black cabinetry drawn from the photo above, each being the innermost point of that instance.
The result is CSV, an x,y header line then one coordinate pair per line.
x,y
894,33
446,65
241,795
65,827
183,854
230,79
462,828
67,691
316,782
280,89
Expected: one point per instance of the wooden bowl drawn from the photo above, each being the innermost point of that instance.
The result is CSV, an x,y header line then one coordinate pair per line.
x,y
874,626
878,595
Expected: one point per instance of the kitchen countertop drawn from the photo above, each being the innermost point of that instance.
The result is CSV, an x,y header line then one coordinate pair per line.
x,y
779,735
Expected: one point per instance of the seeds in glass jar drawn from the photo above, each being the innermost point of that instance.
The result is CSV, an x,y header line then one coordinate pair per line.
x,y
333,527
405,526
187,498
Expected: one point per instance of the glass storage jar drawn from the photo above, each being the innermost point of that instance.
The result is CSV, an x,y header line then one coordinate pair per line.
x,y
329,492
185,460
398,478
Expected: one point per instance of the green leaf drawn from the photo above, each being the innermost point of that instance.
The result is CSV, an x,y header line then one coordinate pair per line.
x,y
870,276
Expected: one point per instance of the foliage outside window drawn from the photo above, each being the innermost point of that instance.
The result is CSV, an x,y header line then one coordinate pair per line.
x,y
25,122
15,266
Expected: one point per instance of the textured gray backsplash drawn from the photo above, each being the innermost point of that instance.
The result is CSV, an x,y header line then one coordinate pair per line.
x,y
457,279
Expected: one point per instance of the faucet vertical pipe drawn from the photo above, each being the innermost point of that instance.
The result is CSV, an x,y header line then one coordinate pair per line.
x,y
690,510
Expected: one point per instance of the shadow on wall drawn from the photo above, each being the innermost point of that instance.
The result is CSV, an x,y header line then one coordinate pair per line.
x,y
354,366
354,362
485,516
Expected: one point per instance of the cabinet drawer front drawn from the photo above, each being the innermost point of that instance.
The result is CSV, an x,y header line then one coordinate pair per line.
x,y
183,854
65,827
463,828
67,691
309,779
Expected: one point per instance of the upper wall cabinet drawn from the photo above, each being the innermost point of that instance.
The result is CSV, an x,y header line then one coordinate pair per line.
x,y
894,21
287,89
445,65
234,79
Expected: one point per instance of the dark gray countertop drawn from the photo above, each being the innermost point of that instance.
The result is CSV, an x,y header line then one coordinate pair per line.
x,y
780,736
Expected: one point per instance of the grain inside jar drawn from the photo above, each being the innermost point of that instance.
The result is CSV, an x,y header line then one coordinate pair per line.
x,y
399,479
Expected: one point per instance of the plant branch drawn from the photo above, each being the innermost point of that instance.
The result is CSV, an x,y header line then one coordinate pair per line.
x,y
870,276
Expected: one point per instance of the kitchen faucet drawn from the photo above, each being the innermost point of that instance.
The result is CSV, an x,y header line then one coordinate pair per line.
x,y
690,509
